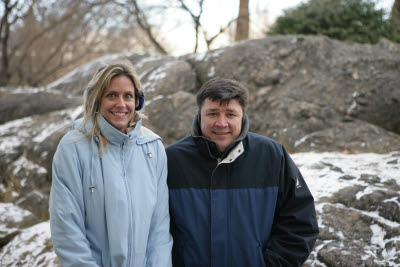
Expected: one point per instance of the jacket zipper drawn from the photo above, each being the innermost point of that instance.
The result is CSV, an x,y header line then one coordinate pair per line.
x,y
211,188
129,206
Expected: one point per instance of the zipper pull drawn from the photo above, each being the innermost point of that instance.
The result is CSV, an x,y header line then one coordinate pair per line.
x,y
91,188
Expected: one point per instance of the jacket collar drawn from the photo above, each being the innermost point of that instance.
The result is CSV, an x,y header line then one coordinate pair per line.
x,y
210,145
115,136
110,132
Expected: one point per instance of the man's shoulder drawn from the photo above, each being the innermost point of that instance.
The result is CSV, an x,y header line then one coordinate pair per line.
x,y
261,139
180,145
261,142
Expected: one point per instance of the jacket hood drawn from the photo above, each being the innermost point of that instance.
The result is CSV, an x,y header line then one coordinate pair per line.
x,y
197,135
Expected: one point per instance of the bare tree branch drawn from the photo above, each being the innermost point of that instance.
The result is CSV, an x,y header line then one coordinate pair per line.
x,y
210,40
195,19
142,21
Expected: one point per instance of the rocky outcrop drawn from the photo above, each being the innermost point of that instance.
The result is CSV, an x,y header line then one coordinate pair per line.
x,y
358,208
312,94
306,92
16,104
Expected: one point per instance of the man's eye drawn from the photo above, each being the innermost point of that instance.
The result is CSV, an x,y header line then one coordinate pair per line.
x,y
212,114
231,115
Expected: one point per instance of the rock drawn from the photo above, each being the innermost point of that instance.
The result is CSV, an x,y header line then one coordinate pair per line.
x,y
32,103
12,220
27,146
302,89
355,137
347,177
182,107
31,247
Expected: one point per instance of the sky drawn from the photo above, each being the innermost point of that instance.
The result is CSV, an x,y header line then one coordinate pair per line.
x,y
218,13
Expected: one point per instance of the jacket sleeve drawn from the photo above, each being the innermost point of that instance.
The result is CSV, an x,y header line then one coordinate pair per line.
x,y
159,243
66,209
295,227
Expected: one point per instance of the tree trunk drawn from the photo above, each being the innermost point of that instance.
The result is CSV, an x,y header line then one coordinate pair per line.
x,y
5,33
396,12
242,24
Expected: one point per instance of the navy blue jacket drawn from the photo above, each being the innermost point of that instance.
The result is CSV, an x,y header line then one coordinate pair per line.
x,y
253,208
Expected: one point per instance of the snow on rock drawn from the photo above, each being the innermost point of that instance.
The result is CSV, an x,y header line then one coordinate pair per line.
x,y
32,247
10,137
323,171
86,68
12,219
357,202
11,214
23,162
70,114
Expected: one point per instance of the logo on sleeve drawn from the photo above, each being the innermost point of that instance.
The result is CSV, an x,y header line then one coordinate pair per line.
x,y
298,185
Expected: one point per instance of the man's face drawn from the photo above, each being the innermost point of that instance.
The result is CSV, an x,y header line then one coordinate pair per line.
x,y
221,123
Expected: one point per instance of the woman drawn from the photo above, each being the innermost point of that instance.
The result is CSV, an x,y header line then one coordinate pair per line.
x,y
109,198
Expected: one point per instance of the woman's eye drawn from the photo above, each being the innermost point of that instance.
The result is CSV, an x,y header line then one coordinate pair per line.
x,y
129,96
111,95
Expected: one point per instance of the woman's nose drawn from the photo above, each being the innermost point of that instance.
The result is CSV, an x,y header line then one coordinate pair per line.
x,y
120,102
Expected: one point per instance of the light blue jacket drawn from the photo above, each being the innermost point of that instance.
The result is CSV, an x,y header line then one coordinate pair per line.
x,y
110,210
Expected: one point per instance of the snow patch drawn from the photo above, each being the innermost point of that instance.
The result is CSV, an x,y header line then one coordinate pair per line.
x,y
323,182
11,125
23,162
145,60
211,73
87,68
32,247
50,129
156,76
10,213
377,235
158,97
300,141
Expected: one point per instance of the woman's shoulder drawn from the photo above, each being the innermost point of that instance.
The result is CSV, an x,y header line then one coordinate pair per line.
x,y
73,138
146,136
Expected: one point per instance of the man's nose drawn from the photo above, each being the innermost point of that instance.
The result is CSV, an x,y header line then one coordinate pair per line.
x,y
221,122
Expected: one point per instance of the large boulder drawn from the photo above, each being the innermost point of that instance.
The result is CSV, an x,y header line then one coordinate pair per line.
x,y
302,85
301,88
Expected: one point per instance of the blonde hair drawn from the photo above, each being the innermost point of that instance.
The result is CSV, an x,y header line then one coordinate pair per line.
x,y
95,90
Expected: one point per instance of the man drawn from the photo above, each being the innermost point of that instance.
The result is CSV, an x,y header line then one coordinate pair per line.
x,y
236,198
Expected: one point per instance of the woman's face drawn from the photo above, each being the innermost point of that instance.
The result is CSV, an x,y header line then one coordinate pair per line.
x,y
117,103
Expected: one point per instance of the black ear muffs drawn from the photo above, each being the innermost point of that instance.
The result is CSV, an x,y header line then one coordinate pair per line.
x,y
141,101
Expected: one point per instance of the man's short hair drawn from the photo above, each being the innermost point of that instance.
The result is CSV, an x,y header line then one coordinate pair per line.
x,y
223,90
